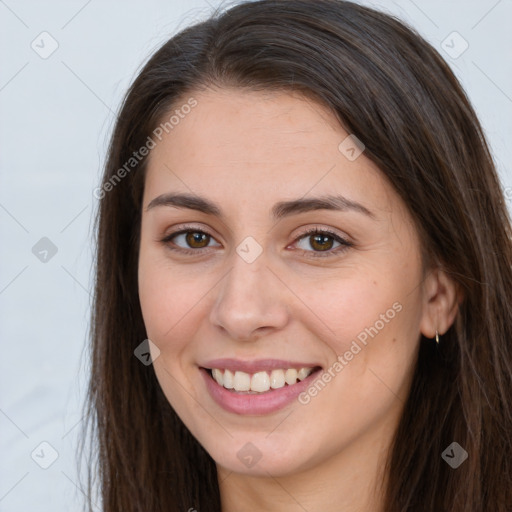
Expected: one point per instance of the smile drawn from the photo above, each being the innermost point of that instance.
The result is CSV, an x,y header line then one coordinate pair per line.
x,y
259,382
256,387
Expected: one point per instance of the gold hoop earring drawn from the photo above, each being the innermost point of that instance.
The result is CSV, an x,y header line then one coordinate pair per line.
x,y
437,337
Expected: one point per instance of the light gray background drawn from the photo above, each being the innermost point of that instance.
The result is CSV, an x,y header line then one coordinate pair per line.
x,y
56,116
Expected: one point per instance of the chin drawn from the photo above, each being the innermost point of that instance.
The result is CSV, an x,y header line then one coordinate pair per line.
x,y
259,455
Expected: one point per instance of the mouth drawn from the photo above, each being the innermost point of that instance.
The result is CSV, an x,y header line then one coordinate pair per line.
x,y
258,387
260,382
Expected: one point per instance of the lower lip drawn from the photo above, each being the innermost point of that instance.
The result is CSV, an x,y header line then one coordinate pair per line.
x,y
256,404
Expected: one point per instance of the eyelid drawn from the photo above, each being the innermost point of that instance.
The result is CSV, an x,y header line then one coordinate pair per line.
x,y
181,228
318,228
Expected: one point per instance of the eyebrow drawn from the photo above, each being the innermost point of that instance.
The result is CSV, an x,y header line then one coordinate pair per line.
x,y
279,210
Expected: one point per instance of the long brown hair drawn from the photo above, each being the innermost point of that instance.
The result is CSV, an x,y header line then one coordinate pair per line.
x,y
393,91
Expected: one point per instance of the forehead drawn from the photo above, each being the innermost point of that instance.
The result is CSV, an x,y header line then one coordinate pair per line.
x,y
240,125
249,146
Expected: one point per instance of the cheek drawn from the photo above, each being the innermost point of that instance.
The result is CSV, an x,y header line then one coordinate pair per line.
x,y
371,326
156,299
377,358
167,293
346,308
168,298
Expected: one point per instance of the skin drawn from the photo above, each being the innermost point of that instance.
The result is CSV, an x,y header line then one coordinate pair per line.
x,y
246,151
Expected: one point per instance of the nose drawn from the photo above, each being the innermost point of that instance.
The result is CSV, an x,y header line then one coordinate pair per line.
x,y
251,301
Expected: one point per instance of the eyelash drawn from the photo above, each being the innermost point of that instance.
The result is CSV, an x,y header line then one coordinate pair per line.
x,y
344,244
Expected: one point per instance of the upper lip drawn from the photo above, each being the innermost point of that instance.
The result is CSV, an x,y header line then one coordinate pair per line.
x,y
254,366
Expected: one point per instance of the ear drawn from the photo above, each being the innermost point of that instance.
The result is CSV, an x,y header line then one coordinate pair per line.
x,y
441,299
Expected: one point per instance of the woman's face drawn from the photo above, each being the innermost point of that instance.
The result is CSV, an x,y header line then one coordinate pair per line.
x,y
246,302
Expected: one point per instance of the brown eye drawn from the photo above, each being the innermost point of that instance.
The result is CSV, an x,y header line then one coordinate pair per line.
x,y
318,242
189,241
197,239
321,242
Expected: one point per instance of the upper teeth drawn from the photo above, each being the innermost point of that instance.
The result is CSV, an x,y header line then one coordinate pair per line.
x,y
260,381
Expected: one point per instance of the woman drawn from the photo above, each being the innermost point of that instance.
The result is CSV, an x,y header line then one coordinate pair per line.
x,y
302,229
